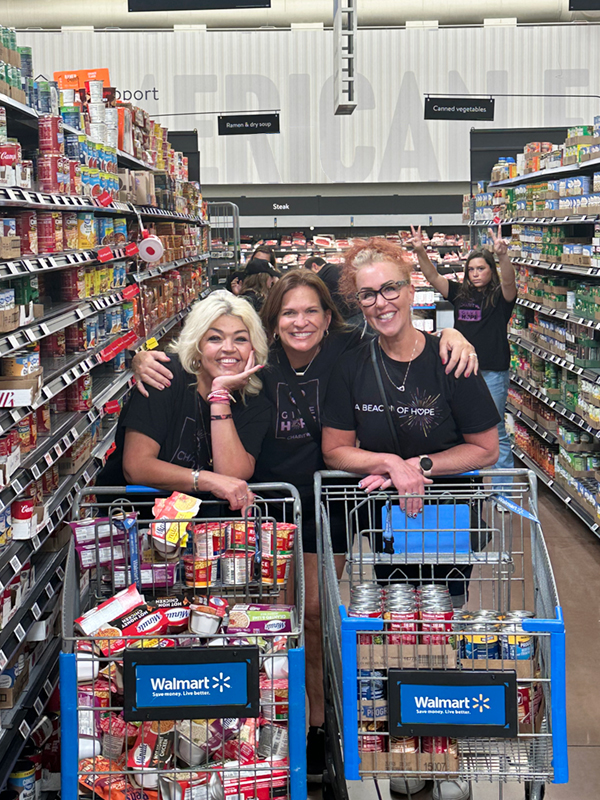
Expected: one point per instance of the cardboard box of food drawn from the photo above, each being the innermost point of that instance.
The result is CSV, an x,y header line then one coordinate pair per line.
x,y
15,392
14,679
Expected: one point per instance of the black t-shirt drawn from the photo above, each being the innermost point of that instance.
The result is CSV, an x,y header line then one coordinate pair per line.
x,y
484,325
290,453
179,420
431,415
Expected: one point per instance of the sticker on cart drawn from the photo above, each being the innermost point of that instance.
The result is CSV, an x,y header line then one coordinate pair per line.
x,y
510,505
464,704
191,683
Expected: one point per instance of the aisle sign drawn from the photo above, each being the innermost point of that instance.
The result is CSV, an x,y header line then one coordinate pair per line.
x,y
191,683
451,703
248,124
466,108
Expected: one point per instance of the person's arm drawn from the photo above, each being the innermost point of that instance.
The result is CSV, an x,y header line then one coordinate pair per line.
x,y
507,271
147,366
480,450
141,466
458,352
439,282
340,452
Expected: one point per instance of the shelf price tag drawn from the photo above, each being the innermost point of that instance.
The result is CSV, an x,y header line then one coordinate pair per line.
x,y
15,564
24,729
13,341
39,706
35,610
48,459
49,590
36,542
45,329
48,687
20,632
60,572
3,660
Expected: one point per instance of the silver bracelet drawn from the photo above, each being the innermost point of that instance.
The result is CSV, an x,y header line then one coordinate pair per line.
x,y
195,478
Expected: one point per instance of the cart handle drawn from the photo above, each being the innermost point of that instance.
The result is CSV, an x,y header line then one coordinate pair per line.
x,y
556,629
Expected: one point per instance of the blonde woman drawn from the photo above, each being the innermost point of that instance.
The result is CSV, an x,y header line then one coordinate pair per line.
x,y
204,431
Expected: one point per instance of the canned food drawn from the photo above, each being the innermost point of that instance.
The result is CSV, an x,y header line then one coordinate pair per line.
x,y
236,568
275,569
273,742
439,744
369,741
402,624
371,685
199,571
461,622
517,644
404,744
481,642
367,611
434,624
241,535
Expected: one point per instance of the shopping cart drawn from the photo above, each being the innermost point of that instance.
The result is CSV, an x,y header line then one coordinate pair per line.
x,y
159,698
441,695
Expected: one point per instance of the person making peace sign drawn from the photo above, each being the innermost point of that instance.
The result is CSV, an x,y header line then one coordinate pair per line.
x,y
483,305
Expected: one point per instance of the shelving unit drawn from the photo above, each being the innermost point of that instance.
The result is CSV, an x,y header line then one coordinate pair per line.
x,y
67,428
580,227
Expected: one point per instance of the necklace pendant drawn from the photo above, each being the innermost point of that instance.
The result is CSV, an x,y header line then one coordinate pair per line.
x,y
400,388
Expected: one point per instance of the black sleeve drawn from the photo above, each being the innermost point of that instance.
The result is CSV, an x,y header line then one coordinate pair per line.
x,y
152,415
472,405
453,288
507,307
338,408
252,422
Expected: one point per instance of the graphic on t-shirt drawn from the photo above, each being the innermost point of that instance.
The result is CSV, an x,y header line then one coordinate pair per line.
x,y
422,412
469,312
192,447
289,422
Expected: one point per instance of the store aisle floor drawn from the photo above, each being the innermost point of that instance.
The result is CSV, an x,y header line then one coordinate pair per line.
x,y
575,556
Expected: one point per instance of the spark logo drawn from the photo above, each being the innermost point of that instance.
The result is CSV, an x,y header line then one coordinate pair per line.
x,y
481,703
220,682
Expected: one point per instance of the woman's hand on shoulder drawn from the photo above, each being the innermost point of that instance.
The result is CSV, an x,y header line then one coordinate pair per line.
x,y
458,354
148,368
236,382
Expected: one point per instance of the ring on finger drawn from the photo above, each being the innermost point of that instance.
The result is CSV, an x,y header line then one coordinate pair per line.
x,y
472,355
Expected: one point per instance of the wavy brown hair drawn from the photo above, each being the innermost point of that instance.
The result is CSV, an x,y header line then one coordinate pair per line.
x,y
293,280
490,292
371,251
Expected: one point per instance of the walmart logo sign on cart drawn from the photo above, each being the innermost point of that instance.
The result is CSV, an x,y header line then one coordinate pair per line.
x,y
198,684
459,705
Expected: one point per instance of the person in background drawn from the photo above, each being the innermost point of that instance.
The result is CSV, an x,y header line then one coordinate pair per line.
x,y
234,282
259,277
192,436
265,253
330,275
483,305
308,337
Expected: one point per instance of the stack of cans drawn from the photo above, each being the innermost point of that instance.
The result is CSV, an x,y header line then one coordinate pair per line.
x,y
365,601
437,613
517,644
401,610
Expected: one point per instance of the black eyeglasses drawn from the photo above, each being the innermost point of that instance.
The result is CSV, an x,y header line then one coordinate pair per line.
x,y
390,291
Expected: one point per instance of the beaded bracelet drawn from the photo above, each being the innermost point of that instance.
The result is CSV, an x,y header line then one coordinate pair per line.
x,y
222,416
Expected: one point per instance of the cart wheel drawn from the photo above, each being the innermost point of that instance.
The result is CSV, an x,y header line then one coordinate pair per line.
x,y
535,791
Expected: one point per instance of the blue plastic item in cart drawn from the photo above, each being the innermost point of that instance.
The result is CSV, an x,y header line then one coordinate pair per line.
x,y
437,529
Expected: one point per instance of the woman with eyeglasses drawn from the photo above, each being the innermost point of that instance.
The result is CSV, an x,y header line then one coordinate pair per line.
x,y
308,337
437,424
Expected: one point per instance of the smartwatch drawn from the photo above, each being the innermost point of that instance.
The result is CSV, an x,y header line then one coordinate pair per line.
x,y
426,465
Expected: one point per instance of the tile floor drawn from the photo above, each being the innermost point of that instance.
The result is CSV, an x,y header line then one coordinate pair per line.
x,y
575,555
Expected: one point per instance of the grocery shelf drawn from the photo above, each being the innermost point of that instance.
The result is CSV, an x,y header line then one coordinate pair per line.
x,y
149,212
558,313
570,169
559,408
569,269
571,220
522,341
13,105
56,321
584,515
16,725
163,327
153,272
131,162
535,426
55,261
49,576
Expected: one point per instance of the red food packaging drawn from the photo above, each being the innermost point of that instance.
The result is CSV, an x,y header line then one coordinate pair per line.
x,y
176,610
45,232
10,154
48,166
140,621
153,750
75,338
72,284
27,232
50,131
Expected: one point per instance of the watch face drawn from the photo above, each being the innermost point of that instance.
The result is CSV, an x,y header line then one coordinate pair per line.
x,y
426,464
